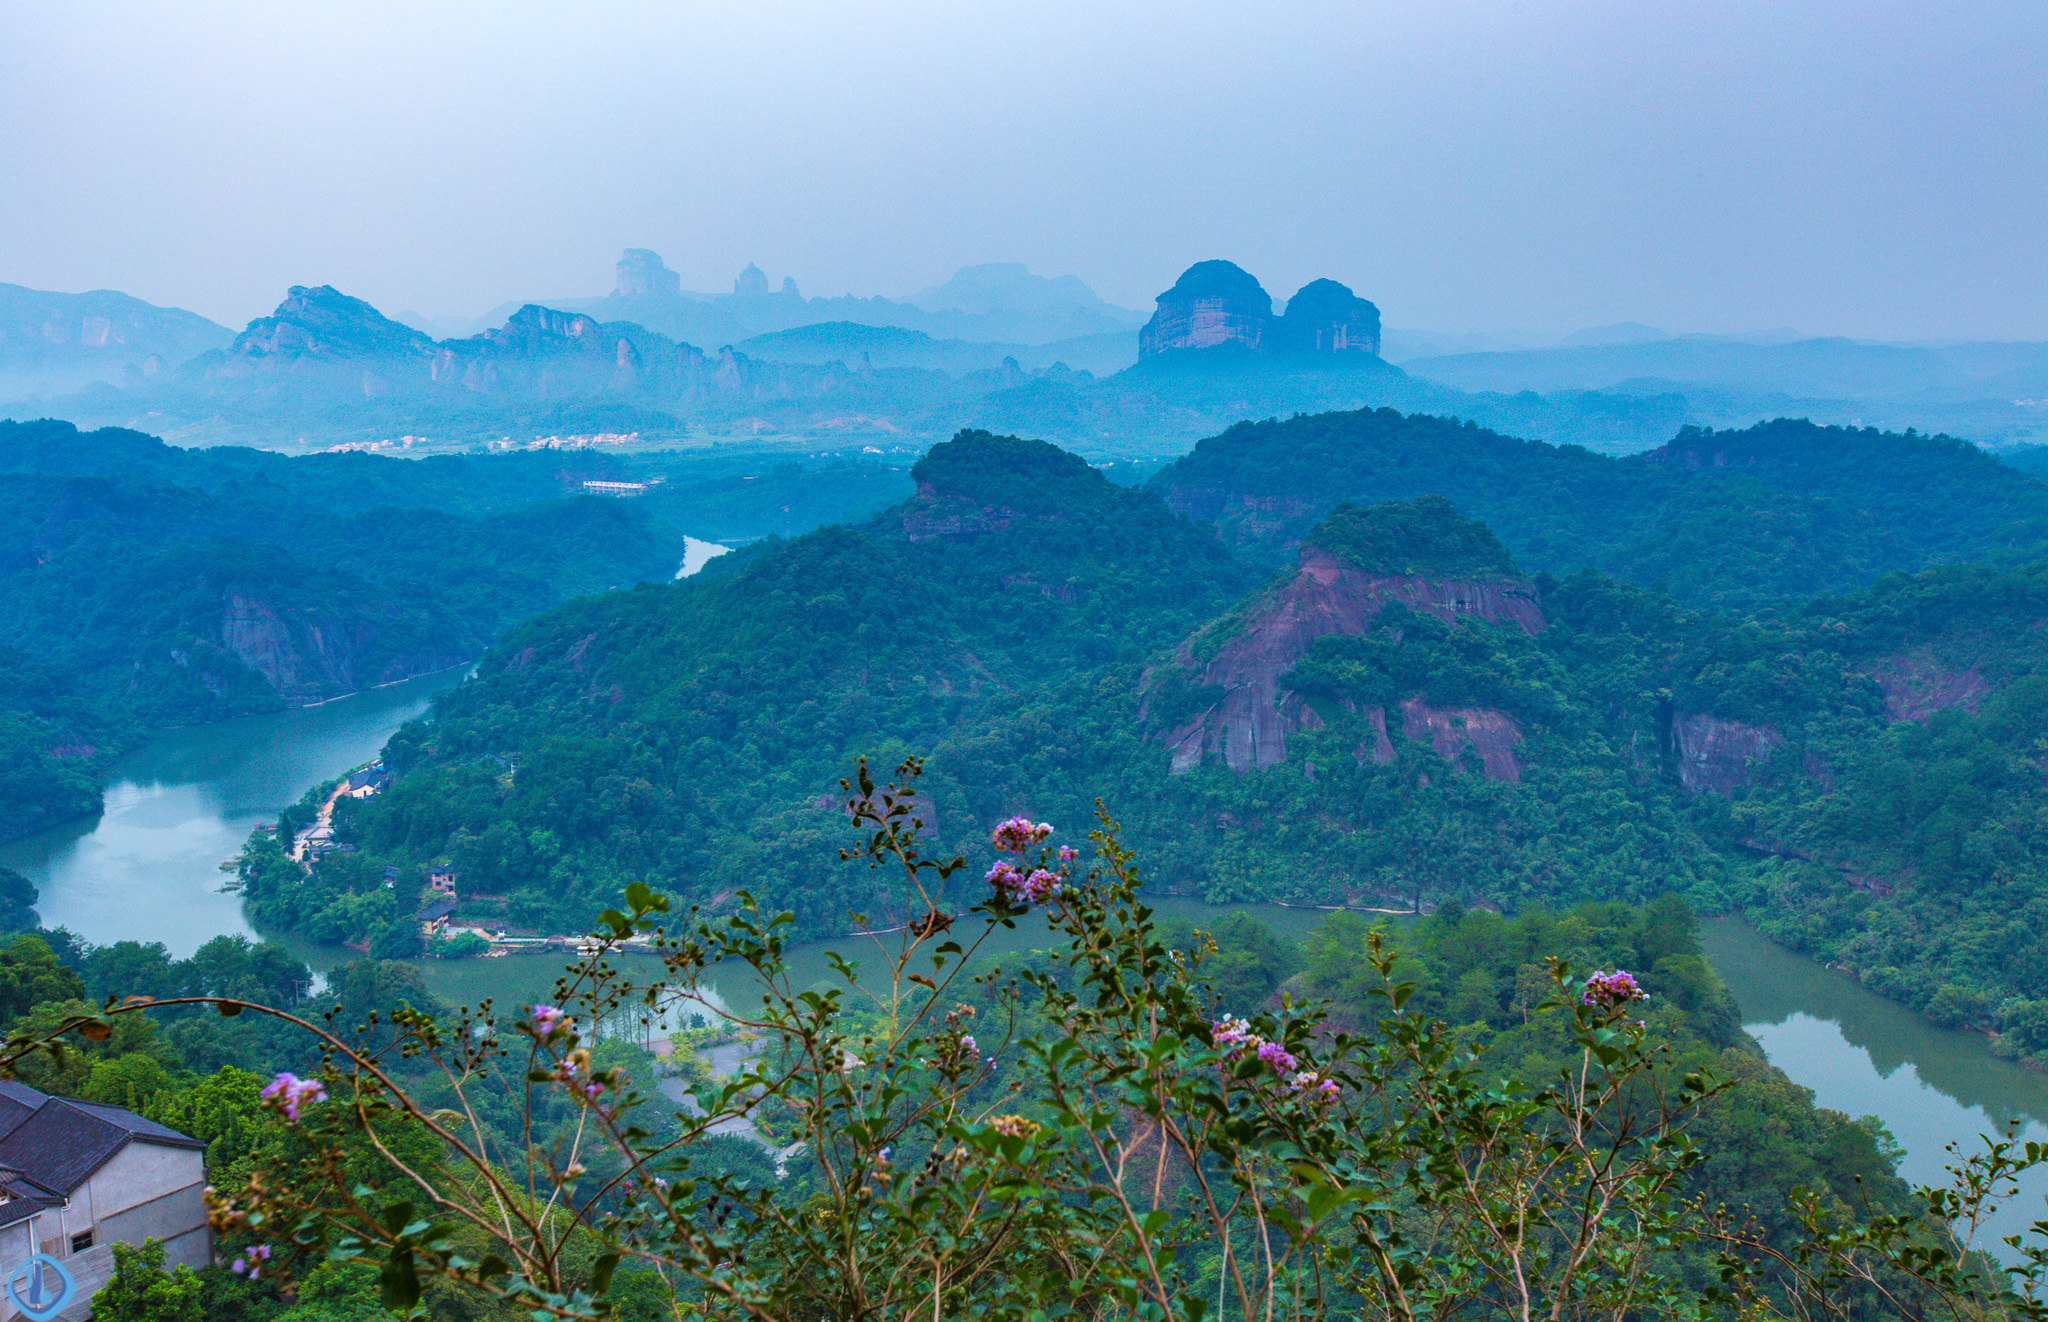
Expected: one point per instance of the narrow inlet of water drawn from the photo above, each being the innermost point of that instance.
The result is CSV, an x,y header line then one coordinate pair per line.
x,y
1863,1055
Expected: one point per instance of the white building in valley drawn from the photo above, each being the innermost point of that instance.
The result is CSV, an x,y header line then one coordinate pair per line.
x,y
75,1178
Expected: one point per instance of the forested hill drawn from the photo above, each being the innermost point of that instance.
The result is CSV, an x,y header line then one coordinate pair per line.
x,y
1402,718
695,732
1781,509
142,585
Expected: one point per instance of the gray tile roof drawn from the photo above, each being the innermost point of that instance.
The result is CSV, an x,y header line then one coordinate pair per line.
x,y
23,1198
17,1103
59,1142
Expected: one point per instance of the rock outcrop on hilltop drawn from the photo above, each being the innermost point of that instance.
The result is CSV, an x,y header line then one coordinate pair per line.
x,y
1219,303
1213,303
1326,317
1349,573
642,274
321,325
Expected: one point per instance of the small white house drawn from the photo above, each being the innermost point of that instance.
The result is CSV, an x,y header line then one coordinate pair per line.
x,y
76,1178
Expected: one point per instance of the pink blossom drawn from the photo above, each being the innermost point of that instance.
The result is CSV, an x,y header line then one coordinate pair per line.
x,y
1019,834
1276,1057
546,1018
288,1092
1320,1088
1608,991
1011,882
1067,853
1231,1032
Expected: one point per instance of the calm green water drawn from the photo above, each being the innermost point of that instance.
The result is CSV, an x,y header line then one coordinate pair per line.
x,y
1864,1055
147,869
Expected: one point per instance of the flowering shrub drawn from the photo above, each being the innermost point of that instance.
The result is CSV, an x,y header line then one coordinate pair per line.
x,y
288,1092
1145,1156
1611,991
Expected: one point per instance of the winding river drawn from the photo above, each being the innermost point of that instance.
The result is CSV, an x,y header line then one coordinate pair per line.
x,y
148,869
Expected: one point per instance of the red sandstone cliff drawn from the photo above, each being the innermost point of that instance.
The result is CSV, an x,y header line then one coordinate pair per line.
x,y
1248,728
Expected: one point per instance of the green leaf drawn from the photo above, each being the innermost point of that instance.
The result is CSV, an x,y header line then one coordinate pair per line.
x,y
398,1283
396,1216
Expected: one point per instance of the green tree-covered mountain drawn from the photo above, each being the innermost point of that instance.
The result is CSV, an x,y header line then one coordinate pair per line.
x,y
1404,717
1784,508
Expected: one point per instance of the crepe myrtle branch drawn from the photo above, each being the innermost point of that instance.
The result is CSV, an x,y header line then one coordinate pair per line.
x,y
1145,1137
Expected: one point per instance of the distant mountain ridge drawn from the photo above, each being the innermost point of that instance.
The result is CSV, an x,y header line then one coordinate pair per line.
x,y
54,343
2012,375
998,302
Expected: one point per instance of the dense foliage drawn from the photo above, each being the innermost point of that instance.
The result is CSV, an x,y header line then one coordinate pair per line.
x,y
1105,1129
147,585
1783,508
1041,630
616,732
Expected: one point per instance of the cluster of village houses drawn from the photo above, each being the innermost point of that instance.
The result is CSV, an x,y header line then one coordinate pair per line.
x,y
437,920
78,1177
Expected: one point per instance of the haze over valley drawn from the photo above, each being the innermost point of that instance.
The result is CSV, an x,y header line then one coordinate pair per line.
x,y
1008,651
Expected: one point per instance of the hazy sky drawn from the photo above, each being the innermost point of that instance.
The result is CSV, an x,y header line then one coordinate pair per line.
x,y
1861,167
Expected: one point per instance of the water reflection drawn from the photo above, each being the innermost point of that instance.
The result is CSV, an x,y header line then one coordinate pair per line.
x,y
148,868
1863,1055
697,554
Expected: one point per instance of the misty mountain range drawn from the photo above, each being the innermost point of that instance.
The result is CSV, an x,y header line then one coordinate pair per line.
x,y
994,346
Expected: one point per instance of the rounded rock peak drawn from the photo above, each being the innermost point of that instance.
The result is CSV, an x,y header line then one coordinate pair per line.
x,y
1320,294
1218,279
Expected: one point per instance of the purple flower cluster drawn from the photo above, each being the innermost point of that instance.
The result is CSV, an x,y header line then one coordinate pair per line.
x,y
1610,991
1013,883
546,1019
1019,834
967,1044
1315,1085
251,1261
288,1092
1235,1037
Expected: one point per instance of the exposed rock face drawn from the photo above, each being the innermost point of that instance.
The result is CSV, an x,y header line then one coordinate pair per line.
x,y
318,327
309,657
937,514
642,274
51,342
1212,303
1326,317
1916,686
751,283
299,658
1717,755
1493,735
1216,303
1248,728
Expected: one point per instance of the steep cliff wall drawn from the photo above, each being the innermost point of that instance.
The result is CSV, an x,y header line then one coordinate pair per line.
x,y
1325,317
1212,303
1247,727
1719,755
308,656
